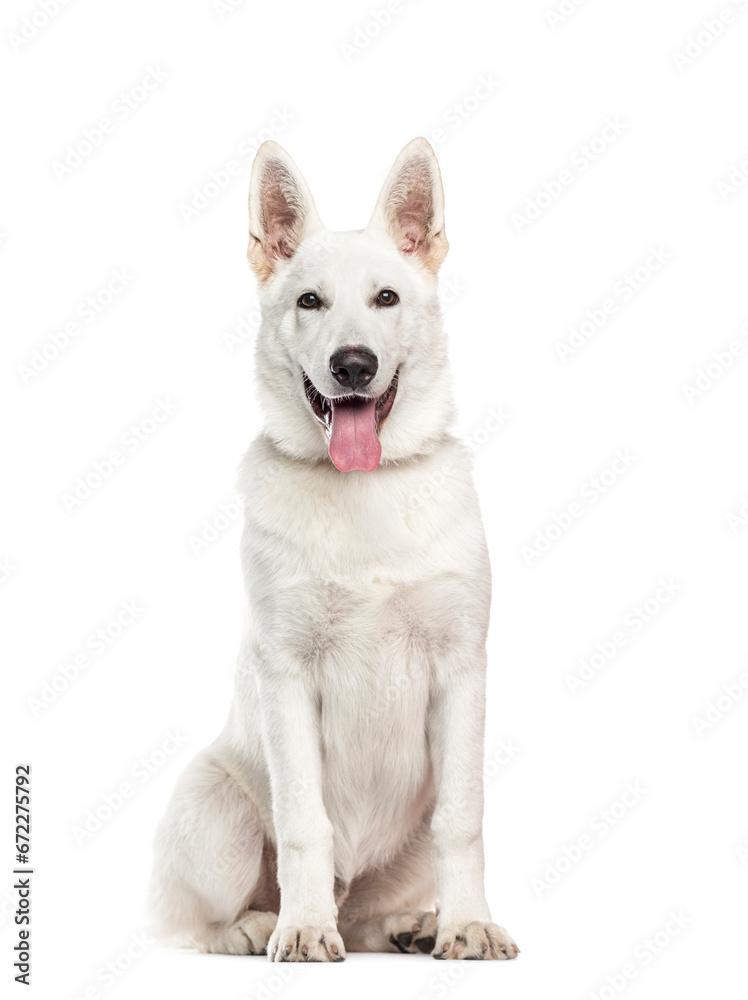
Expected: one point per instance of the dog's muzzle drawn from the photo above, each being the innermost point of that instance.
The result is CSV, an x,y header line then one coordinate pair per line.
x,y
352,421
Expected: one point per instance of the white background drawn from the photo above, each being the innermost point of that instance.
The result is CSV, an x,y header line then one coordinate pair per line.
x,y
683,844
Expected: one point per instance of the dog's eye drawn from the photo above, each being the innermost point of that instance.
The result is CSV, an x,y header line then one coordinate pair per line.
x,y
309,301
387,297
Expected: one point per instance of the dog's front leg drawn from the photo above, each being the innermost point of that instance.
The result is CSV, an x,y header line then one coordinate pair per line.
x,y
456,731
306,930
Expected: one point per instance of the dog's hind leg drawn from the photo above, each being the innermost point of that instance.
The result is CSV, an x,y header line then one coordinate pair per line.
x,y
249,935
387,909
213,884
409,931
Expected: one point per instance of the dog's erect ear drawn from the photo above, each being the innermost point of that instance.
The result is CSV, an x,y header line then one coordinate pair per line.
x,y
411,206
281,210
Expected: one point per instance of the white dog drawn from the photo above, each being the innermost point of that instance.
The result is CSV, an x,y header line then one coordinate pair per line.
x,y
345,793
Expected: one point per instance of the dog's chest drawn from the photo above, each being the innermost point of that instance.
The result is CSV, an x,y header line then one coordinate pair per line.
x,y
372,599
355,584
372,671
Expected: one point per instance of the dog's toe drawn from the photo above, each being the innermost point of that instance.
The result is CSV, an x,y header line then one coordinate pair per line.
x,y
411,931
306,944
475,941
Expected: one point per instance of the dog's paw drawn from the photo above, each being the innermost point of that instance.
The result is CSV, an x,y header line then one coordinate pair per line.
x,y
410,931
475,940
249,935
306,944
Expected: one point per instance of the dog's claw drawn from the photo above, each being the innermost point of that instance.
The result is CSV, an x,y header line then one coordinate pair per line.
x,y
475,941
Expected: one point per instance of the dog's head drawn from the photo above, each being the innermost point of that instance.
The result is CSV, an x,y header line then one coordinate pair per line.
x,y
351,357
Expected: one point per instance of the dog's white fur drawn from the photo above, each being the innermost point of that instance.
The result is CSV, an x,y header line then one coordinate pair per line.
x,y
345,791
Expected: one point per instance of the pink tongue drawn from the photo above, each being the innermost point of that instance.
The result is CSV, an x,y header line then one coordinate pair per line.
x,y
353,436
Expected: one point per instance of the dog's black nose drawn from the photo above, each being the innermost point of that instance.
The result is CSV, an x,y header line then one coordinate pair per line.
x,y
353,366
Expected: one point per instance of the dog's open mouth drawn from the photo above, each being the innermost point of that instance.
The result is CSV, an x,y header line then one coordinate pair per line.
x,y
352,424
